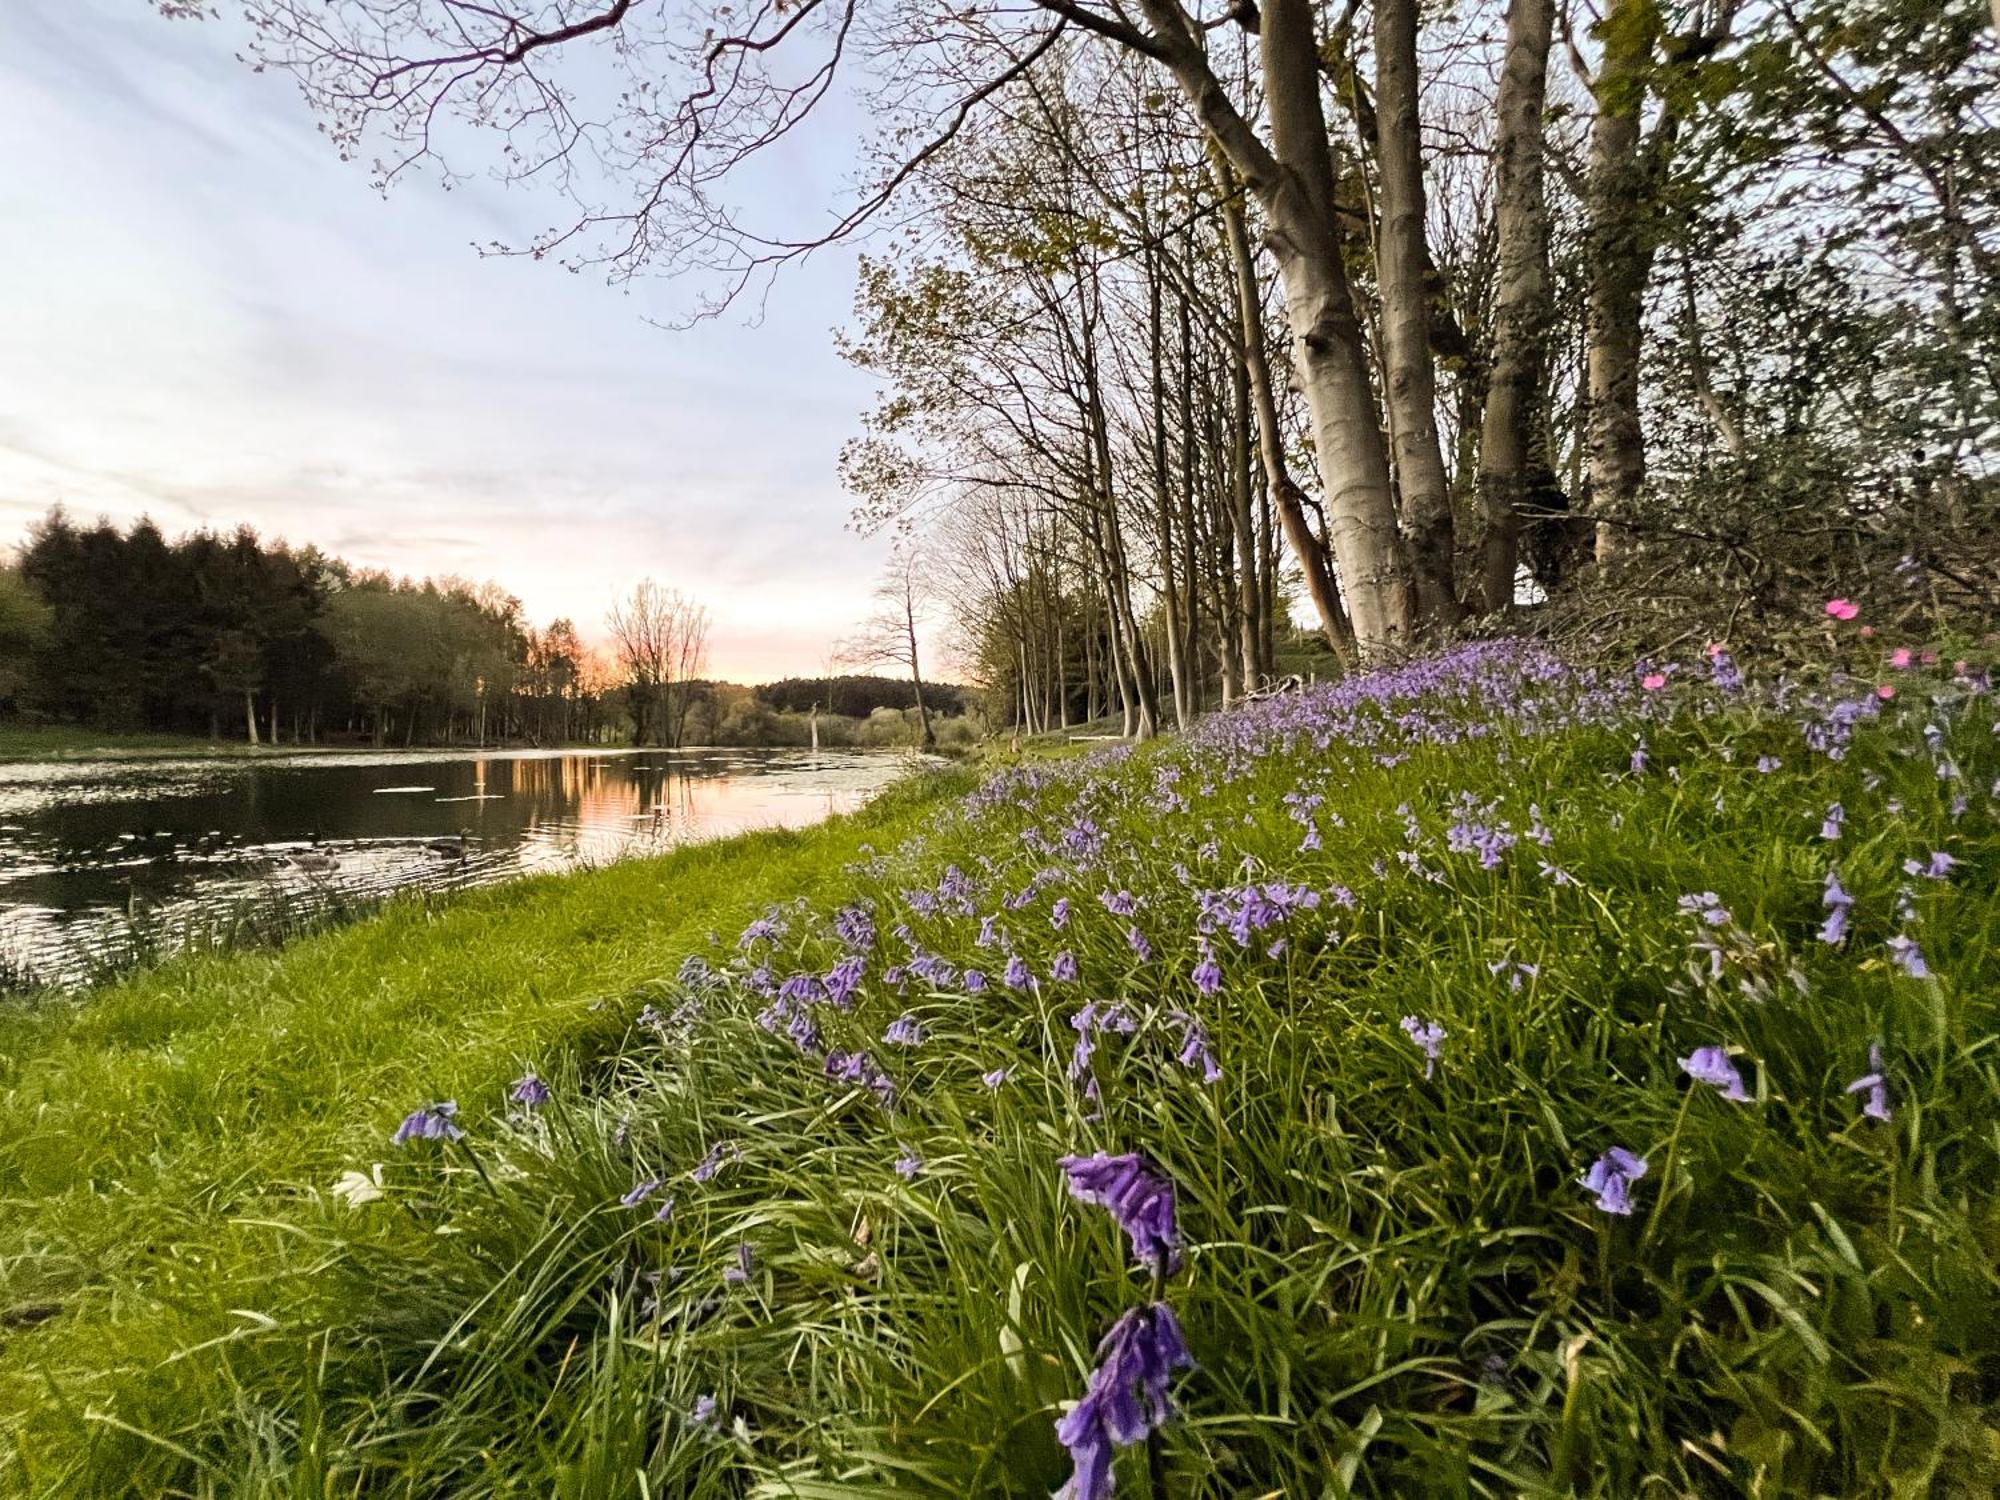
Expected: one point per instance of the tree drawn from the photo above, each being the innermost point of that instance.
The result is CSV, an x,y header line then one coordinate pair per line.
x,y
889,633
1508,442
661,641
24,626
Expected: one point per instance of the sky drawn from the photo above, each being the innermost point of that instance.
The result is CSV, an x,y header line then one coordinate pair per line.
x,y
210,319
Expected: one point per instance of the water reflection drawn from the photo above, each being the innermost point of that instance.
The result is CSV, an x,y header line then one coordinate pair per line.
x,y
85,847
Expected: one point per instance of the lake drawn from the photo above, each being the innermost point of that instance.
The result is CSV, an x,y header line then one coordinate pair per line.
x,y
87,846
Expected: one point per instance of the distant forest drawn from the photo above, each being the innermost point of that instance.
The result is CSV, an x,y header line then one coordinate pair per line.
x,y
229,635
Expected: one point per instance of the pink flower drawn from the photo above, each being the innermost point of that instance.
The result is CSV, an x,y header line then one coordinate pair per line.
x,y
1652,682
1712,650
1886,691
1900,657
1929,658
1867,631
1842,609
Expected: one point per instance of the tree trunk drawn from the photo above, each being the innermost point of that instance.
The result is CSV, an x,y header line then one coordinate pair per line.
x,y
1618,253
1401,259
1521,310
250,716
1333,620
917,676
1176,648
1243,526
1294,182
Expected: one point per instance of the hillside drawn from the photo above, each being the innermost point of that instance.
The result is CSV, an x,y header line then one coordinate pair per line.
x,y
1541,1079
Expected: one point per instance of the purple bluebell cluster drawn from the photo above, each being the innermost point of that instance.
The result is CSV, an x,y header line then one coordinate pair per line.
x,y
1195,1052
1429,1038
529,1092
1127,1398
720,1155
1138,1197
429,1122
1712,1066
639,1192
1838,904
1874,1086
1096,1017
862,1069
1611,1177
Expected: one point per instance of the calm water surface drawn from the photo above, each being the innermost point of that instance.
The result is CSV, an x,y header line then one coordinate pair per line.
x,y
85,846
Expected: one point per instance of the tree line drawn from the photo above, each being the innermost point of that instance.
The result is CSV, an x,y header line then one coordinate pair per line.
x,y
228,634
1390,316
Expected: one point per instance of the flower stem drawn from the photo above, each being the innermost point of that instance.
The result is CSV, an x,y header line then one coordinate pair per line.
x,y
1156,1455
1667,1170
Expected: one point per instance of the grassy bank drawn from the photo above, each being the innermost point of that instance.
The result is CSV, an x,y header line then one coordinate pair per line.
x,y
1370,979
63,741
155,1136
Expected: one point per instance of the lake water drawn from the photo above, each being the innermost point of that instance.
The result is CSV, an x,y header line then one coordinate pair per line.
x,y
85,846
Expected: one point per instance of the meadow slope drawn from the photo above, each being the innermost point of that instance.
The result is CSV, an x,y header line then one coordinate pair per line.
x,y
1513,1078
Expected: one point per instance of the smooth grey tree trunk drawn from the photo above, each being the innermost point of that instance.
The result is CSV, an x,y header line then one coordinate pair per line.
x,y
1401,259
1293,180
1521,308
1617,252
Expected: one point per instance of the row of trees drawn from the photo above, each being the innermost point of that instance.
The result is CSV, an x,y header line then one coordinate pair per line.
x,y
213,634
1558,330
1409,312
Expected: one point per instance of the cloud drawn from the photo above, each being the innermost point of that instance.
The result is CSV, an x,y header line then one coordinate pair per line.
x,y
228,326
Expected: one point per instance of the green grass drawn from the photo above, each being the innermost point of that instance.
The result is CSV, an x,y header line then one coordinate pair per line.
x,y
1393,1284
154,1133
58,741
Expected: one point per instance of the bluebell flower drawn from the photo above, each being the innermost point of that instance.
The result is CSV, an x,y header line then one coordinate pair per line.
x,y
974,981
1829,827
720,1155
1708,906
1909,957
704,1415
1126,1398
908,1164
640,1192
1429,1036
429,1122
1138,1196
1139,944
1207,975
1875,1085
998,1076
1119,903
1018,975
665,1210
1611,1177
745,1267
1766,764
1939,867
1059,914
905,1031
1098,1015
1195,1051
1064,969
529,1091
1838,904
1711,1065
859,1067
